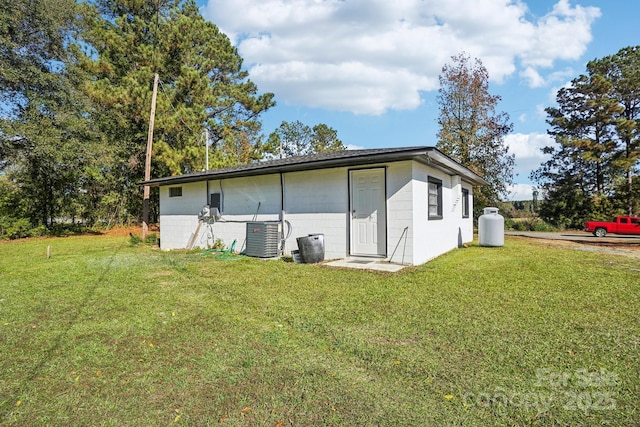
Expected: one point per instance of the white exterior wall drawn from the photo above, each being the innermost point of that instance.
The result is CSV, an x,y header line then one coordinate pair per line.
x,y
179,215
434,237
255,198
467,223
400,213
317,201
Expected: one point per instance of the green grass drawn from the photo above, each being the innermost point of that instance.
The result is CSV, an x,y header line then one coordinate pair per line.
x,y
104,333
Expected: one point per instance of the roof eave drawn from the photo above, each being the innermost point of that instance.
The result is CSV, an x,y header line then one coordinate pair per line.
x,y
425,155
448,165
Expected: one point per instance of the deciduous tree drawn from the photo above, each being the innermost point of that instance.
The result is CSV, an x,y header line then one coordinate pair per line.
x,y
46,141
471,131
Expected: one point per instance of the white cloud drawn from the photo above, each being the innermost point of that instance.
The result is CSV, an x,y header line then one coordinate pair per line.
x,y
533,78
521,192
561,34
527,149
371,56
562,75
349,86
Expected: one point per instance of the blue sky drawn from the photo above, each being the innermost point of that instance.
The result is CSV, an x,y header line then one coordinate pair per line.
x,y
369,68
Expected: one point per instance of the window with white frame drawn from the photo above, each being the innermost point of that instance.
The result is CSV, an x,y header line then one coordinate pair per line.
x,y
434,198
175,191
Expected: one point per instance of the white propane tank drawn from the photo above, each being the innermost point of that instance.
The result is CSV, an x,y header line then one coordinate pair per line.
x,y
491,228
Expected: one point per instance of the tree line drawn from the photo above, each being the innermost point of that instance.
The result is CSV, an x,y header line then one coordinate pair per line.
x,y
75,96
592,167
592,171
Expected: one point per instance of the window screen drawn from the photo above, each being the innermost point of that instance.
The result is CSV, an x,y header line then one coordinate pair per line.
x,y
435,199
465,203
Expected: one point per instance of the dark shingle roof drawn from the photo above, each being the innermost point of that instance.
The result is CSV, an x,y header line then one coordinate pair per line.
x,y
425,154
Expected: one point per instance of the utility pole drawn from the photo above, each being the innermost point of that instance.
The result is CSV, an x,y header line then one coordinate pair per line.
x,y
206,145
147,164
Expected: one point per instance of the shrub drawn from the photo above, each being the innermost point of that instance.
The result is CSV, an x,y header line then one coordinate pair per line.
x,y
530,224
38,231
516,225
14,228
134,239
540,225
152,239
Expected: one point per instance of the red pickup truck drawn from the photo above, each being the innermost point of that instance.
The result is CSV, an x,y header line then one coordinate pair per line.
x,y
619,225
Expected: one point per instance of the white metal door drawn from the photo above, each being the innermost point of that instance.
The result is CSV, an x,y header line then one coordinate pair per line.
x,y
368,213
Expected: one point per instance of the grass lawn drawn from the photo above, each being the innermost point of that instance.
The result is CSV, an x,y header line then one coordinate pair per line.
x,y
104,333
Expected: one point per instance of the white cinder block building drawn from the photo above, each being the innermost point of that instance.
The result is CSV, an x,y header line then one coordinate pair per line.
x,y
404,205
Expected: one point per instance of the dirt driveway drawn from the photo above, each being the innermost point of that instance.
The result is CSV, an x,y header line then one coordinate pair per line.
x,y
628,246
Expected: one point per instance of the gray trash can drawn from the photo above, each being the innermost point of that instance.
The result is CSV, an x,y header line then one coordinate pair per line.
x,y
311,248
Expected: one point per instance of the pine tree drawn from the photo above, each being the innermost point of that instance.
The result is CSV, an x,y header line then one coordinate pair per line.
x,y
202,85
622,70
595,126
298,139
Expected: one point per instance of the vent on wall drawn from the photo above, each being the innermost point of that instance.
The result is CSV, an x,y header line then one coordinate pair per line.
x,y
263,239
